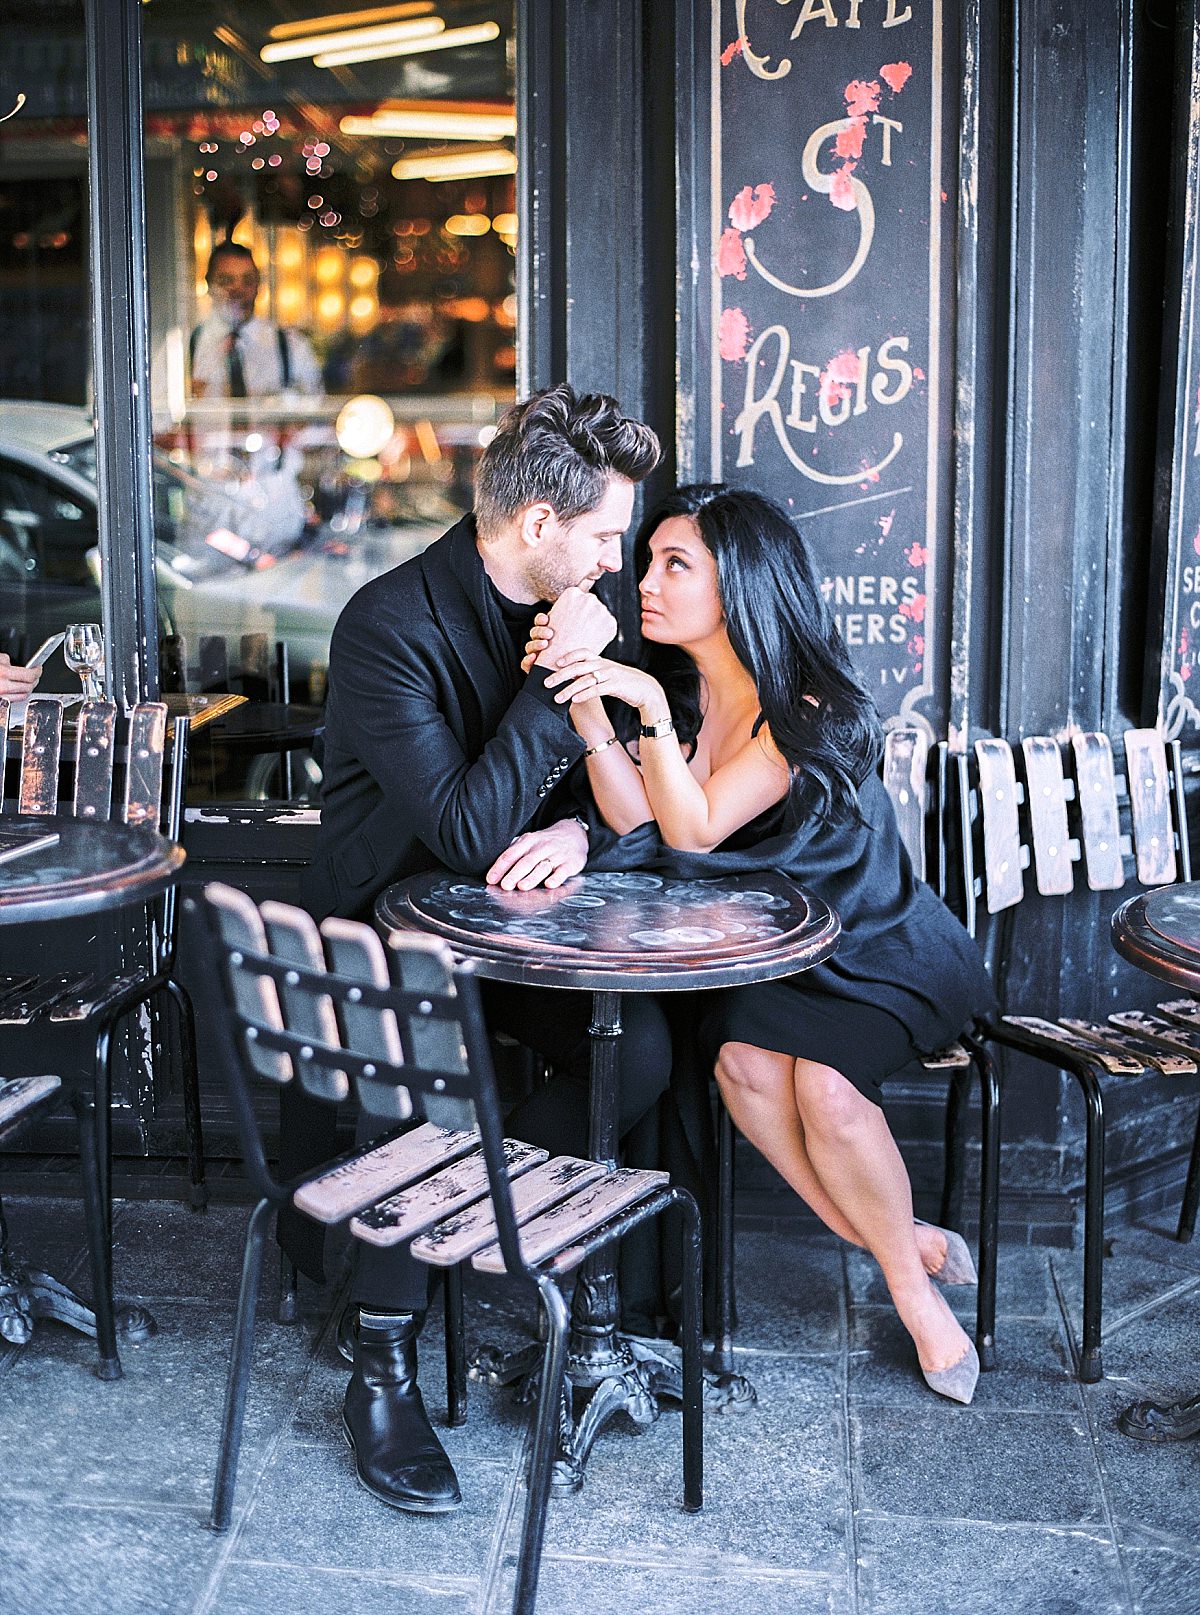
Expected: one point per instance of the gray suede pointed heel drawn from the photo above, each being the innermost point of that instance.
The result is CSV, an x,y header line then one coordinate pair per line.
x,y
958,1381
958,1268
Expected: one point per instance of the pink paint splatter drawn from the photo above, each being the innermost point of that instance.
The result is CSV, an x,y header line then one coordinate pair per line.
x,y
862,98
750,207
733,334
896,75
731,51
885,523
850,141
916,555
837,377
913,609
918,373
731,255
1185,673
841,191
917,644
1196,542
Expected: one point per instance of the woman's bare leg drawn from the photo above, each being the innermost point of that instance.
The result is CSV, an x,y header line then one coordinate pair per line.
x,y
851,1149
759,1090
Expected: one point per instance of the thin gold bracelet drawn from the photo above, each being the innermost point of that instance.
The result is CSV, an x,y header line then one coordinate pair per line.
x,y
594,751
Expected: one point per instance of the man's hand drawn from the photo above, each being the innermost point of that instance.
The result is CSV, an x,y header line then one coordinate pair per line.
x,y
580,622
541,857
17,682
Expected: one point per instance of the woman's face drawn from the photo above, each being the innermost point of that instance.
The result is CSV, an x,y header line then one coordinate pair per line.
x,y
681,604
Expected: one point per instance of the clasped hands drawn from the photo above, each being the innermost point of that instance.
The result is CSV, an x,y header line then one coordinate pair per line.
x,y
547,857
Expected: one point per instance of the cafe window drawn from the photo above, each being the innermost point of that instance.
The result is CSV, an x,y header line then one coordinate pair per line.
x,y
330,241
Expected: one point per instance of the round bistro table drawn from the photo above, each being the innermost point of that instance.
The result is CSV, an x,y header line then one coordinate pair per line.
x,y
611,934
1160,933
93,868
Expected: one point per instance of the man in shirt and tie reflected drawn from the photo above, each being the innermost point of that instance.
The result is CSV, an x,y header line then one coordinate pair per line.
x,y
236,354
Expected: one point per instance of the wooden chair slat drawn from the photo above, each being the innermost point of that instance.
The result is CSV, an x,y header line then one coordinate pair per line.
x,y
94,747
24,1007
144,771
1149,800
254,995
11,985
412,1211
355,949
1096,793
370,1175
1182,1011
1156,1031
423,964
952,1058
293,936
20,1095
905,774
1001,832
1050,1035
1169,1063
1045,792
40,752
81,1006
571,1220
460,1236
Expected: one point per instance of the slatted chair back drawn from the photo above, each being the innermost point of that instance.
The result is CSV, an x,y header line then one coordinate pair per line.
x,y
93,758
331,1009
1051,818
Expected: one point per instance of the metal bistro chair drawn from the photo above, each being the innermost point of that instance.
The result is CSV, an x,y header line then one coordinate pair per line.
x,y
84,791
403,1028
1054,820
908,761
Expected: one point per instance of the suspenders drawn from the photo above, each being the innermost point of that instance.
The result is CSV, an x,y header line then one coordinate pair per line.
x,y
285,355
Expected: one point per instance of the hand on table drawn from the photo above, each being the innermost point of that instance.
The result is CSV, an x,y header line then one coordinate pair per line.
x,y
17,682
541,858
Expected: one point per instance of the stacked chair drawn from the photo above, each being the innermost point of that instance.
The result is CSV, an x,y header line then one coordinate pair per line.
x,y
81,785
402,1030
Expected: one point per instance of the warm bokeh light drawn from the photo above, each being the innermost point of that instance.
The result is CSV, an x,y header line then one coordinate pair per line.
x,y
364,426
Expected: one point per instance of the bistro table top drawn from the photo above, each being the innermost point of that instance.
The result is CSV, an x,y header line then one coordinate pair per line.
x,y
1159,932
268,726
636,932
92,867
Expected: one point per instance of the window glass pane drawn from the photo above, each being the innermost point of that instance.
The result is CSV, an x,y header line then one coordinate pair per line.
x,y
49,567
333,321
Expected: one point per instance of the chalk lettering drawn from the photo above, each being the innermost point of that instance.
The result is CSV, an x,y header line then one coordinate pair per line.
x,y
812,10
888,124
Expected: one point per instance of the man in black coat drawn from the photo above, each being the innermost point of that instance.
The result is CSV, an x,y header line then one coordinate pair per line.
x,y
440,751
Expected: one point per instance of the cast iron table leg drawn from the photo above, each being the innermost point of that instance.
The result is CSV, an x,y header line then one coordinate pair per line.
x,y
1150,1421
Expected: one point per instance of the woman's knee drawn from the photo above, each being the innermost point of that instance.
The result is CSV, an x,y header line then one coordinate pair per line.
x,y
743,1068
830,1104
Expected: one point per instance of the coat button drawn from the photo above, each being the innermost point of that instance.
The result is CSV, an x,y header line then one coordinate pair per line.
x,y
564,762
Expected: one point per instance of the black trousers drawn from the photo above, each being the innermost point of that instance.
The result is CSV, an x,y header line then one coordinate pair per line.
x,y
554,1116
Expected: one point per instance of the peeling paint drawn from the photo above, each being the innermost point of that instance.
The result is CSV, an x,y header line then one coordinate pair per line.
x,y
733,334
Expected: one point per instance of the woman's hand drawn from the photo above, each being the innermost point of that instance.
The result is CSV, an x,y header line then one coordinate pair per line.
x,y
17,682
583,677
540,635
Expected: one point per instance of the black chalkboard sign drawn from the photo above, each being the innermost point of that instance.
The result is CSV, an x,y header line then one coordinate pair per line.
x,y
1177,513
832,234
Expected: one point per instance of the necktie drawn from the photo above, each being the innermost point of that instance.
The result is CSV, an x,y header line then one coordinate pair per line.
x,y
233,366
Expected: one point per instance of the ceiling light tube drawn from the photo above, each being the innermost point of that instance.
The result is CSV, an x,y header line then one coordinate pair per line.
x,y
401,33
456,165
477,33
350,19
434,125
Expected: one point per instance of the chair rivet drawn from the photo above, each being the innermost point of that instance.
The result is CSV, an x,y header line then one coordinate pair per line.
x,y
143,752
251,1034
236,959
999,796
1004,867
354,995
89,811
93,751
1104,846
292,978
904,796
1054,852
439,1084
368,1071
424,1007
306,1052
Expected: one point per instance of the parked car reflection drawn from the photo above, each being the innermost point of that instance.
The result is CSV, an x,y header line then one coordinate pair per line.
x,y
213,577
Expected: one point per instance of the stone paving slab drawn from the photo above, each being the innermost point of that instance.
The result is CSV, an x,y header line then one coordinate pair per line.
x,y
280,1589
603,1588
789,1293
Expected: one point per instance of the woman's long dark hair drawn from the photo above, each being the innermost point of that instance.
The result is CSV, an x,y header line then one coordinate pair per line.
x,y
785,637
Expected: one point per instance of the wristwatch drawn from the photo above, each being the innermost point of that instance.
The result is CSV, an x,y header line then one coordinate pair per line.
x,y
656,731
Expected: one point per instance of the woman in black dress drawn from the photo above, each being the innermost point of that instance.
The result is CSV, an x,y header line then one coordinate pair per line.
x,y
758,749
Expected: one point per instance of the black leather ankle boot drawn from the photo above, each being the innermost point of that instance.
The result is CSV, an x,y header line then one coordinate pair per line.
x,y
396,1452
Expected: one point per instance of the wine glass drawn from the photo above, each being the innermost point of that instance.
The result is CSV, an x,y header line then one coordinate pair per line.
x,y
83,650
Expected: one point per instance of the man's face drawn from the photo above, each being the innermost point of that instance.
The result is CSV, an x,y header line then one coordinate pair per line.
x,y
233,286
574,554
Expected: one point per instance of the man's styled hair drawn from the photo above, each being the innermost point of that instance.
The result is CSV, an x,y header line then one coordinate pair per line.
x,y
559,449
229,249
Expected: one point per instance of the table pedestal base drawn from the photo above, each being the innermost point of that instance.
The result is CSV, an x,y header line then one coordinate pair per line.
x,y
26,1296
1151,1421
